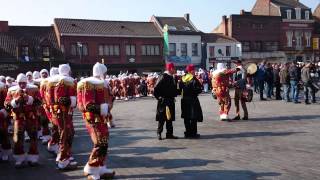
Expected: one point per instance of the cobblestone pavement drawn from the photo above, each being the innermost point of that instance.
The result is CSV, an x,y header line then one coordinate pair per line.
x,y
280,141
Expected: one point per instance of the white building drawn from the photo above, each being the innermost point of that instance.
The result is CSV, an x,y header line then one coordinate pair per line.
x,y
182,40
221,48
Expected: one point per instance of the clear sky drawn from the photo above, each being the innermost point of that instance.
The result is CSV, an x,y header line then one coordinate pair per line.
x,y
205,14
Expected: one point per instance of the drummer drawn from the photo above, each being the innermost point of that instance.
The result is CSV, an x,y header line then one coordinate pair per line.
x,y
240,82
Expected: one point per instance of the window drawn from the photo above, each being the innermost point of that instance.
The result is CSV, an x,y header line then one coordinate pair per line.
x,y
256,46
308,39
62,48
79,49
194,49
228,50
45,51
150,50
211,51
257,26
109,50
73,49
298,13
100,50
24,51
238,25
288,14
184,49
271,46
289,38
172,49
172,28
130,50
246,46
307,15
298,36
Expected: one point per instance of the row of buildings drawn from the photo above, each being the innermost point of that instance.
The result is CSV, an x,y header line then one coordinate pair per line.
x,y
274,30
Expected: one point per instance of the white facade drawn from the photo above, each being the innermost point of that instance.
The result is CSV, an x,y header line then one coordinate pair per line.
x,y
189,40
220,52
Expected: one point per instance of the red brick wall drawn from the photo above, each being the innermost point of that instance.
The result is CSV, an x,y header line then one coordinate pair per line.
x,y
94,42
4,26
261,7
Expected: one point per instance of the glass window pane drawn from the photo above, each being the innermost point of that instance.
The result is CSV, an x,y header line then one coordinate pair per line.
x,y
106,50
116,50
128,50
100,49
111,50
157,50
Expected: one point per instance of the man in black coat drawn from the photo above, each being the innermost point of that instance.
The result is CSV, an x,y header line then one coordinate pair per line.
x,y
165,92
190,106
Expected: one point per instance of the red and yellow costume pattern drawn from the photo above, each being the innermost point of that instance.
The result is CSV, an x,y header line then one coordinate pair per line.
x,y
60,96
220,86
23,103
95,101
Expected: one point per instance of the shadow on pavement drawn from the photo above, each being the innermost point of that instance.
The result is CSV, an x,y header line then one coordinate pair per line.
x,y
287,118
248,134
143,150
207,174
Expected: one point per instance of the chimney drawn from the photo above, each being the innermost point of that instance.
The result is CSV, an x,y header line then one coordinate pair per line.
x,y
4,27
242,12
225,25
187,17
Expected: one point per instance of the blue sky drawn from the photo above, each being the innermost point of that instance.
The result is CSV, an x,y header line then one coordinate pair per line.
x,y
205,14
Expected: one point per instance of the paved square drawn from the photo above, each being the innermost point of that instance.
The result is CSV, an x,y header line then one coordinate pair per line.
x,y
280,141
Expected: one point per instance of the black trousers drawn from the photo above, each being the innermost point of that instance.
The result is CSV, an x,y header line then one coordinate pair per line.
x,y
278,91
261,88
191,127
168,126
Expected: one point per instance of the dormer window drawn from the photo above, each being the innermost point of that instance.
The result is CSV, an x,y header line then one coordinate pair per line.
x,y
186,28
172,28
289,14
307,15
45,51
298,13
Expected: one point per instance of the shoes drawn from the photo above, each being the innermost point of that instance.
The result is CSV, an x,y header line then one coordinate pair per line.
x,y
171,137
159,136
314,102
195,136
297,102
236,118
263,99
245,118
307,103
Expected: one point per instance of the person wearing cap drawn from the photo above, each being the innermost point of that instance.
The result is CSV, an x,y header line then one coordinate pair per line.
x,y
22,100
61,98
165,92
95,102
220,87
191,111
30,77
240,83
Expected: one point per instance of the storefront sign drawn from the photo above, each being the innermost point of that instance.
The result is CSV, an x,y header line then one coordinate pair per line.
x,y
315,43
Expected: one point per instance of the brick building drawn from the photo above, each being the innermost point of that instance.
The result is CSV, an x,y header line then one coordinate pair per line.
x,y
316,33
296,26
259,35
121,45
24,48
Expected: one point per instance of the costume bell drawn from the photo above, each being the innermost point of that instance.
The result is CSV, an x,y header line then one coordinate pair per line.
x,y
61,96
22,100
94,102
220,87
165,92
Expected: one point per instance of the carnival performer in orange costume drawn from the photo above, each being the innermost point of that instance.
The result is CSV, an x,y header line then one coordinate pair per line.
x,y
61,97
94,103
22,100
5,150
220,87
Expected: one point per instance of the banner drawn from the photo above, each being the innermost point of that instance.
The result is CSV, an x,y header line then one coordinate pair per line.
x,y
315,43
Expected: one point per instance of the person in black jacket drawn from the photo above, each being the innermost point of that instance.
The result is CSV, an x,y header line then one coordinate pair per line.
x,y
294,74
165,92
191,110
